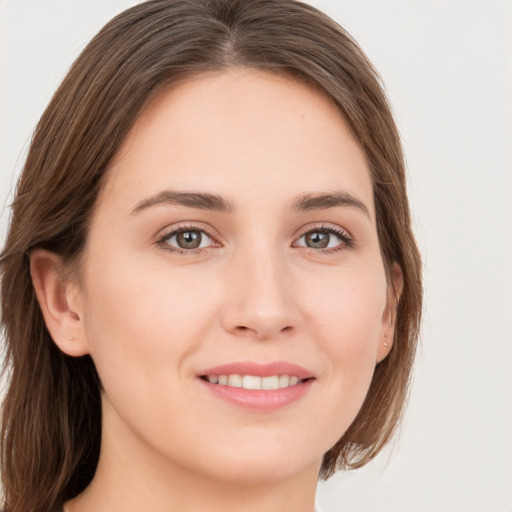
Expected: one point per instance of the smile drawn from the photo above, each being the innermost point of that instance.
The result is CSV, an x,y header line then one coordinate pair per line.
x,y
271,382
259,387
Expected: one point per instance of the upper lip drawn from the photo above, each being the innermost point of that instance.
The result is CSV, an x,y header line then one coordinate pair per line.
x,y
259,369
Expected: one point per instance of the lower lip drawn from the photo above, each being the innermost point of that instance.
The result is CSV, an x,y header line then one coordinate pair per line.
x,y
259,399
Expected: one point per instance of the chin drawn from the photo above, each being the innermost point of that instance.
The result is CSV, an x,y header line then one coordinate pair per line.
x,y
264,474
264,468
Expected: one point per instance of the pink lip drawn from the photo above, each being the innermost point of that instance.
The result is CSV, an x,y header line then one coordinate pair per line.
x,y
260,370
255,399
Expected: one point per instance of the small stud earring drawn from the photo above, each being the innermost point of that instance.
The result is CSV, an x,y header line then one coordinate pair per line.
x,y
385,344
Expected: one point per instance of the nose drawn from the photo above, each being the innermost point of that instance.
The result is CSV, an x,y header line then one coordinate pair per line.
x,y
260,297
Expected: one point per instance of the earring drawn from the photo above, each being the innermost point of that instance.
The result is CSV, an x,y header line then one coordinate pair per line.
x,y
385,344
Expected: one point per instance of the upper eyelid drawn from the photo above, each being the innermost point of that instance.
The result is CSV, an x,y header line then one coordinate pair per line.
x,y
169,231
203,227
322,226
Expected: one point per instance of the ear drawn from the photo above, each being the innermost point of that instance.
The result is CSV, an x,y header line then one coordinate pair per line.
x,y
395,287
60,302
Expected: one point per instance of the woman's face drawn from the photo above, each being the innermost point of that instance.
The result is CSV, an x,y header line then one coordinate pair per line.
x,y
235,236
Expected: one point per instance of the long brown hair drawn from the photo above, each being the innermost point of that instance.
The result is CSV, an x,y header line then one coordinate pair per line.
x,y
52,413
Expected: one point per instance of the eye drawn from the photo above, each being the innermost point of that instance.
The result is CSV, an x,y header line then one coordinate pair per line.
x,y
186,239
323,238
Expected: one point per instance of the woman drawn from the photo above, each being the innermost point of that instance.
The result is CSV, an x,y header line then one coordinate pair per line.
x,y
210,288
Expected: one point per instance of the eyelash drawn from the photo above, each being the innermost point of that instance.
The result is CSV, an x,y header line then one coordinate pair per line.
x,y
346,239
162,241
347,242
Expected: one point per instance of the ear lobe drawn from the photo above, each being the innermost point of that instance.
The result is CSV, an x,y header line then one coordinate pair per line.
x,y
395,288
59,302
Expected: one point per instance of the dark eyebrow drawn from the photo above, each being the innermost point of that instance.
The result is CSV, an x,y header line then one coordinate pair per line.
x,y
307,202
201,200
206,201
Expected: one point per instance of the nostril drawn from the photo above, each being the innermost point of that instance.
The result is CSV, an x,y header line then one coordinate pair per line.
x,y
244,328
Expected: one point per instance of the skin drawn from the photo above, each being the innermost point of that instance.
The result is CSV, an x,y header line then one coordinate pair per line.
x,y
152,319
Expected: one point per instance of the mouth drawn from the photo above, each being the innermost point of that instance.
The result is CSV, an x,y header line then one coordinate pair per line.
x,y
259,387
269,383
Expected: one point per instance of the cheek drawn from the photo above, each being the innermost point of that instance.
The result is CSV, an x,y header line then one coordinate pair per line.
x,y
346,321
347,310
143,316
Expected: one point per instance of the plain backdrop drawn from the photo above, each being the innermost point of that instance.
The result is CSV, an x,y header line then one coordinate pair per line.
x,y
447,66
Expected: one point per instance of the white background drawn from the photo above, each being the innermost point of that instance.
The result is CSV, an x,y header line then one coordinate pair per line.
x,y
447,65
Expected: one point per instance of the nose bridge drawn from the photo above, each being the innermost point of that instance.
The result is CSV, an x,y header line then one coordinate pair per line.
x,y
260,299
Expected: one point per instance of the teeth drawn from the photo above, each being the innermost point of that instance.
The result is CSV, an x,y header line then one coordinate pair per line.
x,y
284,381
270,382
251,382
235,381
254,382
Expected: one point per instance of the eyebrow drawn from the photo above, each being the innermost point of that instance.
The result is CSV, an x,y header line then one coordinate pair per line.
x,y
201,200
308,202
207,201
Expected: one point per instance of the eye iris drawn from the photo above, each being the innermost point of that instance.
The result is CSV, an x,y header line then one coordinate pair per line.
x,y
317,239
189,239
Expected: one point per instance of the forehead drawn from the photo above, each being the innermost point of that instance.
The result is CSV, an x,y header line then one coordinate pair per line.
x,y
240,131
